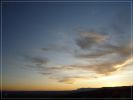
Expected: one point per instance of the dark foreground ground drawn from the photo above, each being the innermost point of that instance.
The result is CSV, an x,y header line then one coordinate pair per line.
x,y
107,92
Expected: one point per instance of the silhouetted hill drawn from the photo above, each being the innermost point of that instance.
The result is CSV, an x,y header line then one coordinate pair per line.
x,y
105,92
85,89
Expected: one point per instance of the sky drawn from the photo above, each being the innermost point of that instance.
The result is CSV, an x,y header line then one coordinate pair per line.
x,y
66,45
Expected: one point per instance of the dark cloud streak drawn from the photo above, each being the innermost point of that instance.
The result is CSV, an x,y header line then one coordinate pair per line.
x,y
88,39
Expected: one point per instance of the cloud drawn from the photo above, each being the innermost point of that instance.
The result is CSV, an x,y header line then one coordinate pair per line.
x,y
67,80
122,54
65,73
45,49
104,68
115,38
39,61
94,54
123,51
88,39
117,41
45,73
58,48
95,45
73,79
36,62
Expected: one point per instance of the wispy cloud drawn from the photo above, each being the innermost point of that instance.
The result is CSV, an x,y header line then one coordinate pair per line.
x,y
107,49
95,45
73,79
65,73
105,68
67,80
88,39
36,62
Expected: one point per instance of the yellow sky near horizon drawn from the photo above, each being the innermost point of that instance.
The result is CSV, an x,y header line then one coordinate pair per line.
x,y
114,80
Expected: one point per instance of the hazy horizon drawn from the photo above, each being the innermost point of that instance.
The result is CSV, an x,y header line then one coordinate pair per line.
x,y
66,89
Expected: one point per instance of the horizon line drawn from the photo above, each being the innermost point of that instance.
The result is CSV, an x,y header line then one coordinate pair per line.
x,y
66,90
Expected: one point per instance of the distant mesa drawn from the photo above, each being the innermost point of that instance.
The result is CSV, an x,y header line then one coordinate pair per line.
x,y
86,89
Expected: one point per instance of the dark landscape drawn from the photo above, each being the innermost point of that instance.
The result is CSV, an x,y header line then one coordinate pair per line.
x,y
105,92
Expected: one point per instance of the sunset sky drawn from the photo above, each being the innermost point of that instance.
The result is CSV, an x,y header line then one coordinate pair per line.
x,y
66,45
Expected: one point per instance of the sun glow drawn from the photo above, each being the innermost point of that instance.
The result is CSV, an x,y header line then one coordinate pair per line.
x,y
129,61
